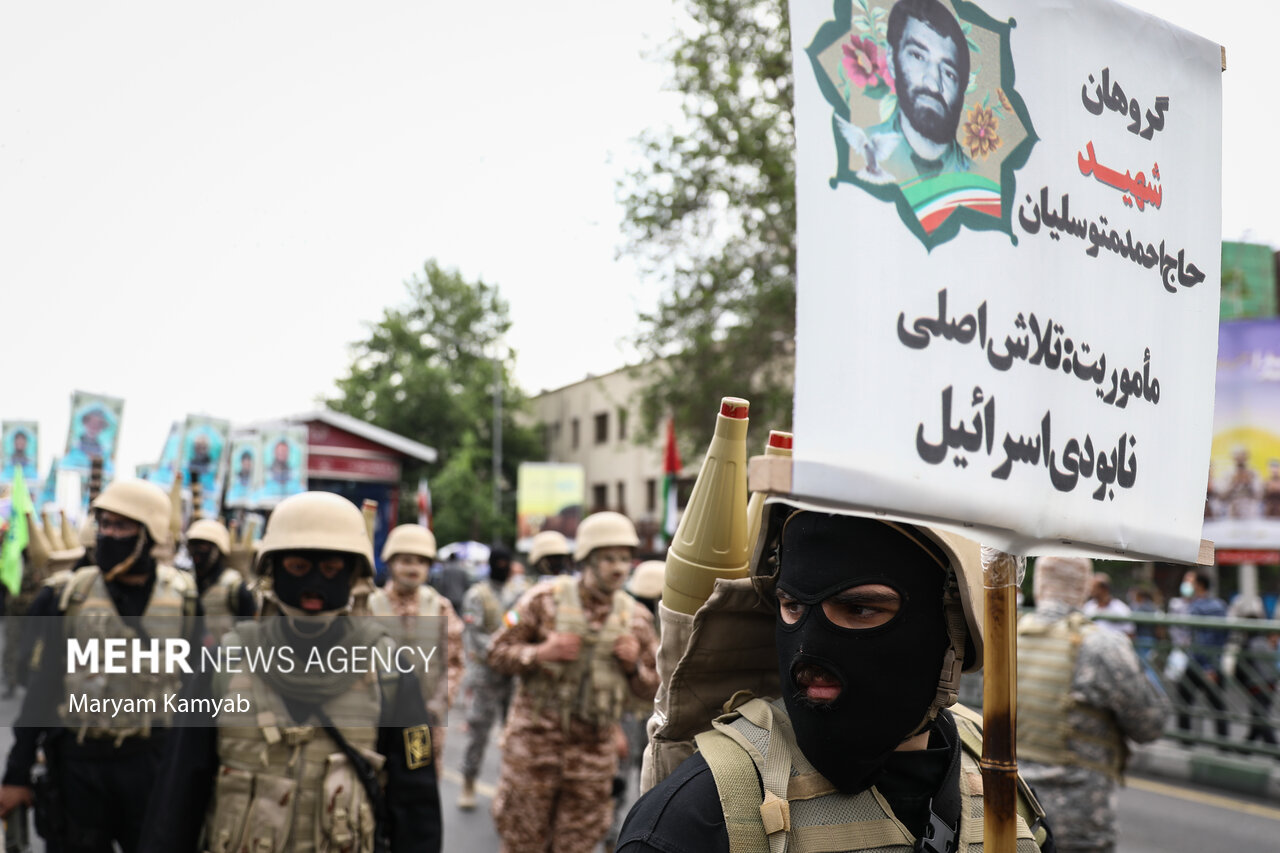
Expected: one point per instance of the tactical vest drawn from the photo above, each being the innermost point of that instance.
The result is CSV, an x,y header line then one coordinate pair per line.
x,y
221,601
1049,716
801,811
285,787
428,630
493,608
90,616
593,687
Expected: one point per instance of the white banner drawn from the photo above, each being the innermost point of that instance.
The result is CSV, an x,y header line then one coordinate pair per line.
x,y
1009,263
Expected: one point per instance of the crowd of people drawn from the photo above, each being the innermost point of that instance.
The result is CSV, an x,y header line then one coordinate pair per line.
x,y
853,631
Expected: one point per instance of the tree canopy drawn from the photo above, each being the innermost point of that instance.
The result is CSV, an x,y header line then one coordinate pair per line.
x,y
713,214
426,371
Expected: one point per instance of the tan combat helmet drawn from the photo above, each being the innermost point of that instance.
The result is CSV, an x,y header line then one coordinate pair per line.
x,y
210,530
646,581
604,530
409,539
140,501
548,543
317,521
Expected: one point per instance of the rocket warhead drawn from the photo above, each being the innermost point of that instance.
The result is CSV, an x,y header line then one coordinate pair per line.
x,y
711,540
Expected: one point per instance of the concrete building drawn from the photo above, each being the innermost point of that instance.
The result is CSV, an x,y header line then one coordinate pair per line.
x,y
593,423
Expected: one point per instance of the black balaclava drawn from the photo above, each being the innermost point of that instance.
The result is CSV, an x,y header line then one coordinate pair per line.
x,y
120,556
888,674
499,565
334,592
206,559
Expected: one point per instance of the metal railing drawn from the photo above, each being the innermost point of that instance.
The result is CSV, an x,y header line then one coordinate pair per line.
x,y
1220,676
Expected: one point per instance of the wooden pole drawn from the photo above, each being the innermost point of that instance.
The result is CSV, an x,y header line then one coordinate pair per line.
x,y
999,700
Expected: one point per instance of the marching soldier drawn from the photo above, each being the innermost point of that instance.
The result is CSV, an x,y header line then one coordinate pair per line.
x,y
549,555
224,595
482,610
872,623
1082,695
580,646
302,758
102,757
418,616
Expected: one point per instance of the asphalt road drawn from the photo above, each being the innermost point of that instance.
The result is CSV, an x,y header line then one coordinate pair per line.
x,y
1155,815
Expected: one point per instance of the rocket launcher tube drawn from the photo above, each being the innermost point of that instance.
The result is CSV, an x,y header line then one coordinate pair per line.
x,y
779,444
53,533
711,540
70,536
38,548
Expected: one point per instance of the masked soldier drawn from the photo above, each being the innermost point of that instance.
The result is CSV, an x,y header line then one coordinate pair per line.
x,y
418,617
548,555
224,595
103,732
872,623
581,646
482,610
332,752
1081,694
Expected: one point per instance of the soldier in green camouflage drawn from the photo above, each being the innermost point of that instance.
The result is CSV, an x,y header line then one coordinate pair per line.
x,y
1082,696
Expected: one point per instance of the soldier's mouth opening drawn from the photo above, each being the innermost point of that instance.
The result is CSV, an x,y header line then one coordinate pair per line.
x,y
311,602
818,685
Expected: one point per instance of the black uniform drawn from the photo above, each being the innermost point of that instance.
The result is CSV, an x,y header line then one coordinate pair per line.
x,y
101,786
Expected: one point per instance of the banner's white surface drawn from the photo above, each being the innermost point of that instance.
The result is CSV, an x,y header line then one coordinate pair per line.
x,y
1023,344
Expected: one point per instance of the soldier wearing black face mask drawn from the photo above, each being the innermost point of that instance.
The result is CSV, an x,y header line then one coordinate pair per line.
x,y
872,624
223,593
330,752
102,757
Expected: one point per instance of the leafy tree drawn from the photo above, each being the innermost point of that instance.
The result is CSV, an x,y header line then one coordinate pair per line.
x,y
713,213
426,371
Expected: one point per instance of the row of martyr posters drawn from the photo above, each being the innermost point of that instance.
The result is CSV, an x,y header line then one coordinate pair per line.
x,y
257,468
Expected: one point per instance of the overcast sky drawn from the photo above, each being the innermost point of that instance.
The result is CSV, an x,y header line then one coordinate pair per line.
x,y
202,205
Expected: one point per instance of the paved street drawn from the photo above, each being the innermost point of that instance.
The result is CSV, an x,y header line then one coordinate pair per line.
x,y
1155,815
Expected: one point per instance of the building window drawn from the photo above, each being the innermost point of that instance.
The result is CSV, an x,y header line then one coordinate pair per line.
x,y
573,434
651,495
599,497
602,427
622,424
622,497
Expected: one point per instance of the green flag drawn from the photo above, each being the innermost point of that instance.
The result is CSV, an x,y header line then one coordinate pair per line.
x,y
15,539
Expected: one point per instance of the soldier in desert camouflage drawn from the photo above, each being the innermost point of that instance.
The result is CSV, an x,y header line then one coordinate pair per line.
x,y
581,647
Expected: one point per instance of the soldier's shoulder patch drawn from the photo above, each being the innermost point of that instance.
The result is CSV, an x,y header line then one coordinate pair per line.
x,y
417,747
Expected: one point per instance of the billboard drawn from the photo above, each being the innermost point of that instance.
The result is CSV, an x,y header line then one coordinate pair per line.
x,y
549,496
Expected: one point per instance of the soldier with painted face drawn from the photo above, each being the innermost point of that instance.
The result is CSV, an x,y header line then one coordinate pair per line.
x,y
420,617
872,623
224,595
331,756
581,647
102,763
1082,695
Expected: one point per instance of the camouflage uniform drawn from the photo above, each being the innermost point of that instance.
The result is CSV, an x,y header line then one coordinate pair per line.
x,y
1111,699
557,770
482,610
